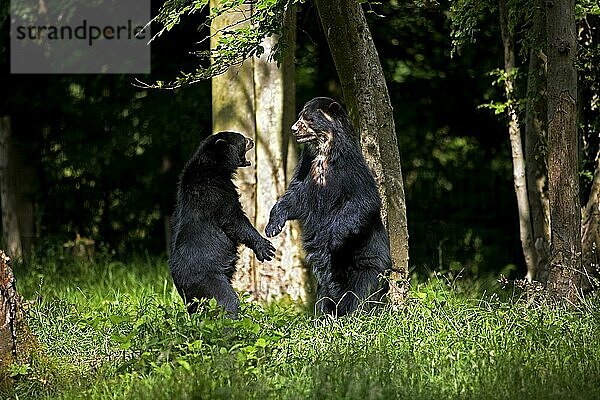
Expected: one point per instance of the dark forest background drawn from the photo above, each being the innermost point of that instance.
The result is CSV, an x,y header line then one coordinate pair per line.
x,y
101,157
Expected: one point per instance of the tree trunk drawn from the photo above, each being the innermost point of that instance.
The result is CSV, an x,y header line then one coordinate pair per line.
x,y
514,134
233,110
23,174
16,341
10,223
285,275
535,143
289,94
366,96
253,99
563,274
590,233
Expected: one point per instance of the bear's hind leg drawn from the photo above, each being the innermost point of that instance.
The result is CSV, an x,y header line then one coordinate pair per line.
x,y
325,302
218,288
364,290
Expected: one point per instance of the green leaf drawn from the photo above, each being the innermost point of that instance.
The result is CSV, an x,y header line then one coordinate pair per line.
x,y
183,363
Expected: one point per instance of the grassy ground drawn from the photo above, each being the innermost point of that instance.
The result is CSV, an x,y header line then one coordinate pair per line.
x,y
109,330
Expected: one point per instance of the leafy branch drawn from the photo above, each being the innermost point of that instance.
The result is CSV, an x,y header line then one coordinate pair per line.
x,y
234,43
501,107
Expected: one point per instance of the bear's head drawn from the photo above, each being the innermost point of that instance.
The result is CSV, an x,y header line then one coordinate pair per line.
x,y
319,119
229,149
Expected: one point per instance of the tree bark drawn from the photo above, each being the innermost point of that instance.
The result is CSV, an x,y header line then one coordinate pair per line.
x,y
10,223
274,111
367,98
254,99
535,146
563,274
23,174
233,110
514,134
290,147
16,341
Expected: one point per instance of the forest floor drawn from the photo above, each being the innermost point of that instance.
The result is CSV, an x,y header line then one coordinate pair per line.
x,y
109,330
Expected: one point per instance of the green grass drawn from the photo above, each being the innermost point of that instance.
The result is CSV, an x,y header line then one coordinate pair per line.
x,y
109,330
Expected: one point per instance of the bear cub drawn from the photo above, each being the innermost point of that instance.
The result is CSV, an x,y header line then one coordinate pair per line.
x,y
209,223
334,196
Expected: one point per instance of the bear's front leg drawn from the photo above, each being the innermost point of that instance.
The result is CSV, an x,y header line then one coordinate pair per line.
x,y
277,219
239,229
263,249
288,207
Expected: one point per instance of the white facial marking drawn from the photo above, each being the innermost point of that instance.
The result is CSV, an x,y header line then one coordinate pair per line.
x,y
327,116
320,164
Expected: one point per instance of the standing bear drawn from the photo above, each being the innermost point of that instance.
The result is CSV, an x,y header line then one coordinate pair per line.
x,y
334,196
209,223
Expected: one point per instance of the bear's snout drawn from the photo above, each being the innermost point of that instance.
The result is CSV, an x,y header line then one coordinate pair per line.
x,y
296,127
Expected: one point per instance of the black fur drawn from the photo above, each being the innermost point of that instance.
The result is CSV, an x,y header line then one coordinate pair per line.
x,y
209,223
334,196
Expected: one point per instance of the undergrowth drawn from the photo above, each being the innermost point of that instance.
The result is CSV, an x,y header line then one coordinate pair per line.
x,y
111,330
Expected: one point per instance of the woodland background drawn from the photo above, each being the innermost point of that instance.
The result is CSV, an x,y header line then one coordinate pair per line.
x,y
89,166
99,157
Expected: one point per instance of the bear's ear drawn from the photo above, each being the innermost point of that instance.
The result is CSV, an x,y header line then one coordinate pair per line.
x,y
335,108
220,142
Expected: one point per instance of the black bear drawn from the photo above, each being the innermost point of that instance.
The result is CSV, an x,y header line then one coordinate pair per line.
x,y
334,196
209,223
